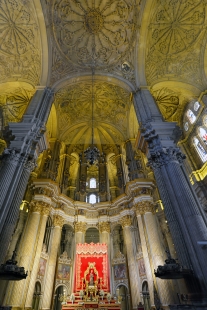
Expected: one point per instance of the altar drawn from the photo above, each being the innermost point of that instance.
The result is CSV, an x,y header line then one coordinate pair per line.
x,y
92,279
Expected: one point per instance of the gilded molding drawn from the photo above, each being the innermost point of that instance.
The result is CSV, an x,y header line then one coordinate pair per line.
x,y
58,220
144,206
104,227
126,221
80,227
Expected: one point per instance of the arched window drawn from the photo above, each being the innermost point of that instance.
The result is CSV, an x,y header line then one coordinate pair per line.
x,y
92,183
92,198
203,134
200,149
191,116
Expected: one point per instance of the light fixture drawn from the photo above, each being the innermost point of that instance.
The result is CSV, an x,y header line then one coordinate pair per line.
x,y
92,153
10,270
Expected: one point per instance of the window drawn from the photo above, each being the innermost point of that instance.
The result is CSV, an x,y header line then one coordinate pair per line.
x,y
92,183
92,198
200,149
191,116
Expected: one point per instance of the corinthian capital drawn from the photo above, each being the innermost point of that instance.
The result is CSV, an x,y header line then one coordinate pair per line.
x,y
46,209
144,206
104,226
58,220
80,227
126,221
36,206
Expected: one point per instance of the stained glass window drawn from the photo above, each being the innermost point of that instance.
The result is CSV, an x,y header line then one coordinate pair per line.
x,y
92,198
200,149
191,116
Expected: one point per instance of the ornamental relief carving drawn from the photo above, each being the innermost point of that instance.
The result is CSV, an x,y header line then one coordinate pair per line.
x,y
100,31
176,33
145,206
126,221
58,220
13,103
80,227
111,103
171,103
20,56
104,227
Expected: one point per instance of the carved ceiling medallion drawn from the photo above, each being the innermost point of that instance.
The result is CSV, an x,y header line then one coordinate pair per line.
x,y
93,21
94,30
19,41
176,25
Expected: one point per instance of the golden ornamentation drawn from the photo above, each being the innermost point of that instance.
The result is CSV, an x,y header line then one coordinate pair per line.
x,y
36,206
168,102
104,226
58,220
80,227
145,206
2,145
112,24
13,103
126,221
19,41
46,209
175,32
111,103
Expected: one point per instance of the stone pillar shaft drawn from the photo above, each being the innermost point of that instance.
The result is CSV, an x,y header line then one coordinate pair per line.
x,y
157,254
35,267
51,264
12,216
25,257
146,257
133,276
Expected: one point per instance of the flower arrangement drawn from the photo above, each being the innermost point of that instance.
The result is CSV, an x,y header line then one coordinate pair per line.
x,y
81,294
72,297
101,293
108,297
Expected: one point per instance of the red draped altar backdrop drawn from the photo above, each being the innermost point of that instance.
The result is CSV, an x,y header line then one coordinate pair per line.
x,y
96,254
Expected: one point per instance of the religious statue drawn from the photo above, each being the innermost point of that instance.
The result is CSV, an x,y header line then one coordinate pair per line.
x,y
91,281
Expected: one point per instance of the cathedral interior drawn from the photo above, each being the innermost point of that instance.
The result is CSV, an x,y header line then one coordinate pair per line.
x,y
103,154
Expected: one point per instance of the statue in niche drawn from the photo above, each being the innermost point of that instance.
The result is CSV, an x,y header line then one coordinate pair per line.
x,y
91,279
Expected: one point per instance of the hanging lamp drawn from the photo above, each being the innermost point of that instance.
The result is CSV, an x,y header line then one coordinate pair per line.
x,y
92,153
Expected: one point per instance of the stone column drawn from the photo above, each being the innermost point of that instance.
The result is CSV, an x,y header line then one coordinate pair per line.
x,y
146,258
12,216
80,229
156,250
182,208
51,264
104,228
25,256
33,276
133,275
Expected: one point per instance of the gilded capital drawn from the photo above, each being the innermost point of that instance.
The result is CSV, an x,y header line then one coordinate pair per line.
x,y
36,206
144,206
104,226
58,220
126,221
46,209
80,227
